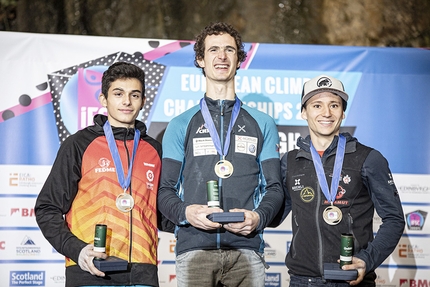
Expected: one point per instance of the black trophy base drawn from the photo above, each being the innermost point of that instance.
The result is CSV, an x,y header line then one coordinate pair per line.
x,y
332,271
111,263
226,217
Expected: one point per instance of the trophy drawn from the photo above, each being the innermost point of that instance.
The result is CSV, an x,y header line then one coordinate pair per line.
x,y
111,263
214,201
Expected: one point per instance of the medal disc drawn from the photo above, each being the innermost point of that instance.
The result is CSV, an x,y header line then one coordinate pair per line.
x,y
224,169
124,202
332,215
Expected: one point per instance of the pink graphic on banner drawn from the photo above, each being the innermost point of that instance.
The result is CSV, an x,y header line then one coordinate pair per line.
x,y
166,49
32,104
250,55
89,85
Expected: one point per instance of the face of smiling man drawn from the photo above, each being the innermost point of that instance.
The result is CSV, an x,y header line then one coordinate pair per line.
x,y
220,61
123,102
324,114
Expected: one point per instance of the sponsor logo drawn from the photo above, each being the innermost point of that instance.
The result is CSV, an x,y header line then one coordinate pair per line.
x,y
172,246
414,282
27,278
272,280
104,164
149,186
148,164
268,251
390,181
172,277
58,279
414,189
246,145
307,194
412,251
23,212
28,248
150,175
340,192
297,186
202,130
241,129
241,147
346,179
415,220
23,179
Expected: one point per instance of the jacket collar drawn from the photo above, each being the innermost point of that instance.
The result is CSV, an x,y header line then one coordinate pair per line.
x,y
99,121
305,146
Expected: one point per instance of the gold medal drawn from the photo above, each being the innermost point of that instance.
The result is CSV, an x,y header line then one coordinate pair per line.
x,y
223,169
332,215
124,202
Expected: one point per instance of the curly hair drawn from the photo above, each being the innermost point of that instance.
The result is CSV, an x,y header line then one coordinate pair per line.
x,y
122,70
217,28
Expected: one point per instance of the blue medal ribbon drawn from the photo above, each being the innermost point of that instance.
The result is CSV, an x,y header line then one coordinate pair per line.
x,y
211,126
124,182
340,153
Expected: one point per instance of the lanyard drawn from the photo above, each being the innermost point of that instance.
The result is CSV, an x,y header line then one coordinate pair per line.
x,y
340,152
124,182
211,127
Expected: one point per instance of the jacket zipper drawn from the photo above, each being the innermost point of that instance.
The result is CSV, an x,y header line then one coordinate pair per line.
x,y
127,132
221,136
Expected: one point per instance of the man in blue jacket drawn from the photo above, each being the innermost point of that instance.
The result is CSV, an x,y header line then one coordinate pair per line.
x,y
236,146
333,185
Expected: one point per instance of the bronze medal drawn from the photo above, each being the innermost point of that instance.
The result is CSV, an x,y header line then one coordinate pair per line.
x,y
124,202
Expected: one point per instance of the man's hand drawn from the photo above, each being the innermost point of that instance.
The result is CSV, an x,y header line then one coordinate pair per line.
x,y
360,266
85,260
196,216
245,227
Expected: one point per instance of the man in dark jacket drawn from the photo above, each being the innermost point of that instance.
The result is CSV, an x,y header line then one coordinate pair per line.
x,y
333,185
233,145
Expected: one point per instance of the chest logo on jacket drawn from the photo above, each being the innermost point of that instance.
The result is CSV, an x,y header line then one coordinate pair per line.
x,y
104,164
298,186
241,129
202,130
307,194
245,144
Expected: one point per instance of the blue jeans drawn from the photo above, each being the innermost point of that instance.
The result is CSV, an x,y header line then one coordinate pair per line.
x,y
230,268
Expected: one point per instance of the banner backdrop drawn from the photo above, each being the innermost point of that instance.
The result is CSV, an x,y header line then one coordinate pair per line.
x,y
50,86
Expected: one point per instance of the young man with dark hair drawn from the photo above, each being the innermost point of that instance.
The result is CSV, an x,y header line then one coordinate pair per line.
x,y
333,186
107,173
233,145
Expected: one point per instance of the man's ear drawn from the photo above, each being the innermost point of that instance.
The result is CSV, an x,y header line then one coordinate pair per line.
x,y
103,100
304,115
201,63
143,102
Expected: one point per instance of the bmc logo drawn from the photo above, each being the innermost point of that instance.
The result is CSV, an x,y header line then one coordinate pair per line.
x,y
24,212
414,283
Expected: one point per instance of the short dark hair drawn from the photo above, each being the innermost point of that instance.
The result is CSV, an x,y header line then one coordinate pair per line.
x,y
122,70
217,29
